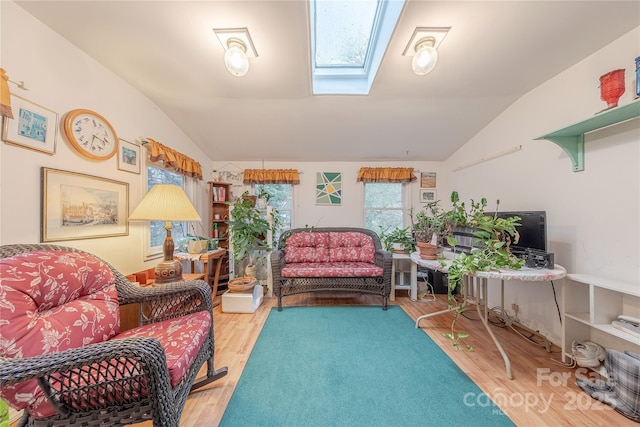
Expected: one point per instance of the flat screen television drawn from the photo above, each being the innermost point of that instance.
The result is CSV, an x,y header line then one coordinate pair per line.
x,y
533,230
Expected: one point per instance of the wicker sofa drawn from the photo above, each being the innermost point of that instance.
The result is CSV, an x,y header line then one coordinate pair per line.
x,y
331,259
63,358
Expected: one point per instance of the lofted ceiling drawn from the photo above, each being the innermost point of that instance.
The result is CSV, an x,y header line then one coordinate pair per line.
x,y
495,52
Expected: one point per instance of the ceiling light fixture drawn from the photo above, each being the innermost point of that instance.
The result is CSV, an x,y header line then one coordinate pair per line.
x,y
423,47
238,48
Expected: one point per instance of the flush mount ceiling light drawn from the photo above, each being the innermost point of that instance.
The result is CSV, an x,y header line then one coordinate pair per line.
x,y
238,49
423,47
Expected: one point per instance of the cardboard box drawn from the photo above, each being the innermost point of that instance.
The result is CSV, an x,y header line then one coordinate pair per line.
x,y
242,302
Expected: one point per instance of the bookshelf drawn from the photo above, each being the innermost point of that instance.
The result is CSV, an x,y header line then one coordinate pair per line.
x,y
219,198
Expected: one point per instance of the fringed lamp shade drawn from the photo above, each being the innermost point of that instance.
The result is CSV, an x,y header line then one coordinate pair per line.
x,y
167,203
5,95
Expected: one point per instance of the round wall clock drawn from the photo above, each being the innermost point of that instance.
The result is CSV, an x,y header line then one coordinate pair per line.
x,y
90,134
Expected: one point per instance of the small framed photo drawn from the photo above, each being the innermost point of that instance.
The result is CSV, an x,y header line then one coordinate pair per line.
x,y
33,126
428,180
427,196
128,156
78,206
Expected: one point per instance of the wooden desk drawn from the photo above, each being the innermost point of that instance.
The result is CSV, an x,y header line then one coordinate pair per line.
x,y
211,268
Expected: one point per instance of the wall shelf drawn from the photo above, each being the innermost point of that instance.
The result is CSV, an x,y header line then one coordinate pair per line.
x,y
571,138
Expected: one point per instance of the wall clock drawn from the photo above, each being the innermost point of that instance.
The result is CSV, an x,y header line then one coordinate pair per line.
x,y
90,134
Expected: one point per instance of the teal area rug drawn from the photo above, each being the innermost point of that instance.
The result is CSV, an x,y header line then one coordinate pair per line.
x,y
353,366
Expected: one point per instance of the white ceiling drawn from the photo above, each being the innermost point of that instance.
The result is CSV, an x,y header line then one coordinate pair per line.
x,y
494,53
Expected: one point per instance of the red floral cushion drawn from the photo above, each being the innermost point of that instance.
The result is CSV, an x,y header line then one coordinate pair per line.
x,y
333,269
307,247
181,339
351,247
50,301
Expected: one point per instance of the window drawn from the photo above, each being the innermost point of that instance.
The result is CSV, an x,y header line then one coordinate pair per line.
x,y
348,41
281,198
383,206
157,232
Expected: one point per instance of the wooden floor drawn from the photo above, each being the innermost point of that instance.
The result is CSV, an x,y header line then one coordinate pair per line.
x,y
542,393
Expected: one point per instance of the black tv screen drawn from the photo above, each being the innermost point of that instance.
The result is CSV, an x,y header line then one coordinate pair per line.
x,y
533,230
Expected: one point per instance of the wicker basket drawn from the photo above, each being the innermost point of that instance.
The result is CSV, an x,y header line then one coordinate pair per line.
x,y
241,284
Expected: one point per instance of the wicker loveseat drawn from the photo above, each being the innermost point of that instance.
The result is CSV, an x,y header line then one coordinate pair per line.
x,y
63,359
330,259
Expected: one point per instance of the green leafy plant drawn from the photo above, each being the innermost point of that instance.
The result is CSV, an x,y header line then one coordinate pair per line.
x,y
491,251
248,229
401,236
428,221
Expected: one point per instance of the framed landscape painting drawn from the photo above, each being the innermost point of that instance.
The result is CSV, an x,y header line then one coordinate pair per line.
x,y
77,206
33,126
428,180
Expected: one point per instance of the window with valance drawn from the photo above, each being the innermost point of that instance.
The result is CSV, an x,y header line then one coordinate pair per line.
x,y
386,175
173,159
271,176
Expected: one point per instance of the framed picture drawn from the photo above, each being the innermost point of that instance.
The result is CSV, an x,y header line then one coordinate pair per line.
x,y
427,196
33,126
329,188
128,156
77,206
428,180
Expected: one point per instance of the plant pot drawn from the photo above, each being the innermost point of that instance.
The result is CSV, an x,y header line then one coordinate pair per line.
x,y
612,87
197,246
398,248
427,250
241,284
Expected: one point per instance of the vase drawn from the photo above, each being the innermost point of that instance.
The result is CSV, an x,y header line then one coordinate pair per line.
x,y
612,87
427,250
250,270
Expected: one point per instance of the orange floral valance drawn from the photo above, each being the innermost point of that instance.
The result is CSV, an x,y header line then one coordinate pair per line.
x,y
173,159
271,176
386,175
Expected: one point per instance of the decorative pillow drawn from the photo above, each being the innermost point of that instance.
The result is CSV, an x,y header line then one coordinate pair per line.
x,y
52,301
351,247
307,247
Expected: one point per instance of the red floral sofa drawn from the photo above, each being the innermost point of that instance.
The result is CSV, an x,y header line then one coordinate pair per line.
x,y
63,359
330,259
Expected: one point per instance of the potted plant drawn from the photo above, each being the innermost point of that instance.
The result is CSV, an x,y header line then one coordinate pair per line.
x,y
248,230
428,226
490,250
398,240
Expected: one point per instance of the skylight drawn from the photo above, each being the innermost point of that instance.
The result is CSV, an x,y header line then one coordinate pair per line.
x,y
348,41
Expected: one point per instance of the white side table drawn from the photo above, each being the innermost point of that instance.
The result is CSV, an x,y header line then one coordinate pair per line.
x,y
412,286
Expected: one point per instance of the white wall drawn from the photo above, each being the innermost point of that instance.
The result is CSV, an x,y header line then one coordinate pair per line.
x,y
349,214
61,78
594,215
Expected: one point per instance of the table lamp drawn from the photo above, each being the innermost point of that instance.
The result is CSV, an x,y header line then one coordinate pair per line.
x,y
165,202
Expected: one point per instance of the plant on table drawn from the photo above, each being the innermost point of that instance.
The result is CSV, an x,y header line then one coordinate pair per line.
x,y
398,239
428,225
491,252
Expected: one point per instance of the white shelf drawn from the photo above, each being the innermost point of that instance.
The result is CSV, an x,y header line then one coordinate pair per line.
x,y
590,304
602,282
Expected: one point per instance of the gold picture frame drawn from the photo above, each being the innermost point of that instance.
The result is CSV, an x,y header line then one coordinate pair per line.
x,y
78,206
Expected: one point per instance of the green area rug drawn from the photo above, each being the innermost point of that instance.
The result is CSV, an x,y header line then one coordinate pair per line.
x,y
353,366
